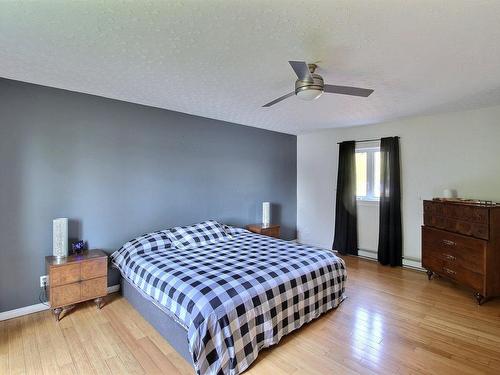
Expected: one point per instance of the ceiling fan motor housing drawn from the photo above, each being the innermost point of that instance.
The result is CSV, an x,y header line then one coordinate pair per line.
x,y
316,84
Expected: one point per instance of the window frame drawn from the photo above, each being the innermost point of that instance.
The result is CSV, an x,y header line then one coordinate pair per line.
x,y
370,149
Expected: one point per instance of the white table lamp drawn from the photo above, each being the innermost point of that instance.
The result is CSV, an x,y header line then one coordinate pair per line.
x,y
266,213
60,237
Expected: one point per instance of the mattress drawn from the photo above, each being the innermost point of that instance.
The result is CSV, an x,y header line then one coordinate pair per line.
x,y
237,295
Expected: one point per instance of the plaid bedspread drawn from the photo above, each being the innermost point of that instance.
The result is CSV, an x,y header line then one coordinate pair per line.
x,y
238,295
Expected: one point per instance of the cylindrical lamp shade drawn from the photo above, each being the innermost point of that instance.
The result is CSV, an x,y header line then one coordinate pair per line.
x,y
266,213
60,237
449,193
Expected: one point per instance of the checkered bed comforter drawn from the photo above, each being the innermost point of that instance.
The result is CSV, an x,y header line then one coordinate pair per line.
x,y
238,295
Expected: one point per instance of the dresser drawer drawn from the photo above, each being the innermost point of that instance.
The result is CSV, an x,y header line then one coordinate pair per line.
x,y
466,228
431,260
62,275
94,288
65,294
462,276
460,212
94,268
466,213
453,270
466,252
463,219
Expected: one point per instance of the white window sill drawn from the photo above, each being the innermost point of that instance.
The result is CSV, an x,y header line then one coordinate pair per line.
x,y
367,202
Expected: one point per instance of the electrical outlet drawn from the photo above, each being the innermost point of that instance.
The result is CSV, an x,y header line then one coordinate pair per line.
x,y
44,281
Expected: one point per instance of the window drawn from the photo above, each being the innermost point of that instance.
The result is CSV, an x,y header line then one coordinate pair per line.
x,y
368,172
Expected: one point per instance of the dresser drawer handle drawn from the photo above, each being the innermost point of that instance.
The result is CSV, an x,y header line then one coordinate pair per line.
x,y
447,270
449,256
449,243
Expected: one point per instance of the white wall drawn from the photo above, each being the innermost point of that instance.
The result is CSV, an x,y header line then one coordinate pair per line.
x,y
458,150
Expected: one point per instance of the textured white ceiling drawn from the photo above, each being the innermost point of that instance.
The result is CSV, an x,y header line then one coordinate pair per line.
x,y
225,59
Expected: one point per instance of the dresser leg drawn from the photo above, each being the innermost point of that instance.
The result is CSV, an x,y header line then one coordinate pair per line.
x,y
479,298
57,312
429,274
98,302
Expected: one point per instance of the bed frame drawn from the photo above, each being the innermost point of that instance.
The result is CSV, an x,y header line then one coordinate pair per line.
x,y
173,332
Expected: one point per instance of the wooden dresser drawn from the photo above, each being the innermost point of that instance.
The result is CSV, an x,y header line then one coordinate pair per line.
x,y
461,242
77,278
271,230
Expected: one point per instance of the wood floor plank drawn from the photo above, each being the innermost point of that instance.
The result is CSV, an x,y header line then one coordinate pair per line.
x,y
142,356
394,321
117,366
44,344
180,363
30,348
4,348
67,369
119,347
78,354
83,328
157,356
56,338
17,364
98,363
128,359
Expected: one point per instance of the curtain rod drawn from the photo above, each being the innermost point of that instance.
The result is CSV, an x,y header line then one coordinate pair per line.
x,y
366,140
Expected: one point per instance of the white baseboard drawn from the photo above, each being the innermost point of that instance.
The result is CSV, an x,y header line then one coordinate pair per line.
x,y
113,288
413,264
23,311
370,254
39,307
408,262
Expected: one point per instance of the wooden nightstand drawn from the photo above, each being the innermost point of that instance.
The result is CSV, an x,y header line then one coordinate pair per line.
x,y
271,230
77,278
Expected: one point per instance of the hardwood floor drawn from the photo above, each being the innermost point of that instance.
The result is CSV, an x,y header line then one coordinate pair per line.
x,y
394,321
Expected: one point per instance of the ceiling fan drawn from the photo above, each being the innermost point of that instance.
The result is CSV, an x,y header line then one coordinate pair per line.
x,y
310,86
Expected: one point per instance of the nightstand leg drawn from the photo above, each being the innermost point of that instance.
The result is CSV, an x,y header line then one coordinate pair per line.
x,y
57,311
479,298
98,302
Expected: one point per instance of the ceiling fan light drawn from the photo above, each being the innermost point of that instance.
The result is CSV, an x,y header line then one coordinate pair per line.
x,y
309,94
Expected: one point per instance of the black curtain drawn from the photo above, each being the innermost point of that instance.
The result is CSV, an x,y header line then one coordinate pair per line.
x,y
346,231
390,245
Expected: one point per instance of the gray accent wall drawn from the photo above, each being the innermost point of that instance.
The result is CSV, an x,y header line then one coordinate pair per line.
x,y
118,170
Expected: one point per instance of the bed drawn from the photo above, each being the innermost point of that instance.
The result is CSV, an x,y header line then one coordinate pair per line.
x,y
222,299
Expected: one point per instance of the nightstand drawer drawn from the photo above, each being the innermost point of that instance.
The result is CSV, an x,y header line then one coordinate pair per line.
x,y
62,275
65,294
94,268
271,232
94,288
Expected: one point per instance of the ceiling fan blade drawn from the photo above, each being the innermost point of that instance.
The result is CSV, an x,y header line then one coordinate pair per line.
x,y
347,90
279,99
302,70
